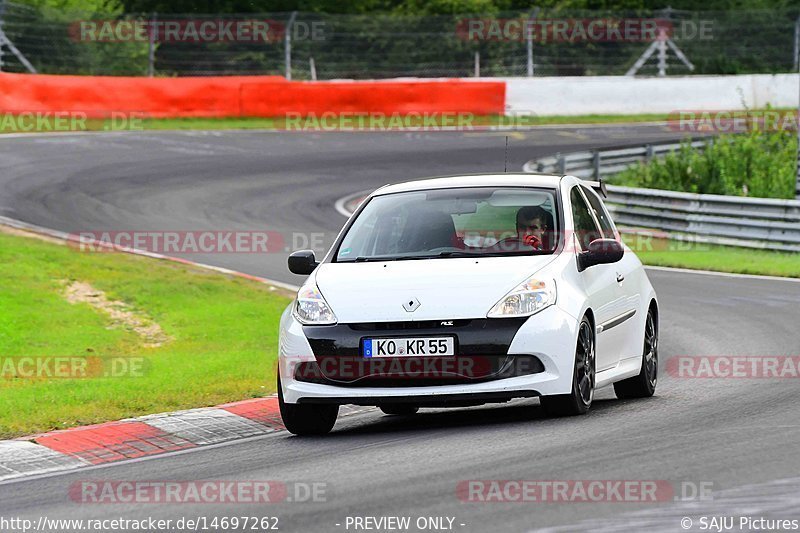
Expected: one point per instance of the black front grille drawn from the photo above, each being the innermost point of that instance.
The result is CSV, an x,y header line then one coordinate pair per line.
x,y
481,347
484,336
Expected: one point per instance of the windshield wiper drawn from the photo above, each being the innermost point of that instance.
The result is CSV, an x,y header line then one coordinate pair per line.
x,y
457,253
446,253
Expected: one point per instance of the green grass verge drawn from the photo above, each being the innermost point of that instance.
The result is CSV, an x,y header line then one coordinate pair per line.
x,y
661,252
224,336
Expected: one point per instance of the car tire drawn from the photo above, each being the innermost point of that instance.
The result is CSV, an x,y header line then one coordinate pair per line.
x,y
643,385
307,419
580,399
399,409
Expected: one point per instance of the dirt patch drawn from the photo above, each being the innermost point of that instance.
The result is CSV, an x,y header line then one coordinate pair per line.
x,y
120,313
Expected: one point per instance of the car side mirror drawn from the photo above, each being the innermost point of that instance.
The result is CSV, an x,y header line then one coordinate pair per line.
x,y
600,252
302,262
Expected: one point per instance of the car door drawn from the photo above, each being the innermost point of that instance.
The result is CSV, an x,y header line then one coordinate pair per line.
x,y
627,273
600,283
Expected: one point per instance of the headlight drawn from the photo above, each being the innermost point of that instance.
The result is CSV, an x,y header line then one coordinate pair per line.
x,y
528,298
311,308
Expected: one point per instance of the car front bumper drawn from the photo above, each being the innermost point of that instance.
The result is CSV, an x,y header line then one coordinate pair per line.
x,y
550,336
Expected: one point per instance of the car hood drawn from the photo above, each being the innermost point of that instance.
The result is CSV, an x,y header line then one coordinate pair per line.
x,y
446,289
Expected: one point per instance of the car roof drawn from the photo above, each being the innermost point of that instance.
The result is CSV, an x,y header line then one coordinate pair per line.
x,y
511,179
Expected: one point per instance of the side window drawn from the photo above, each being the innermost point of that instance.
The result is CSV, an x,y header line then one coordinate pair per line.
x,y
600,213
585,229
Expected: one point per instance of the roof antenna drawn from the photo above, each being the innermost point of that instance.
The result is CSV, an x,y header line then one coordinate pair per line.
x,y
505,158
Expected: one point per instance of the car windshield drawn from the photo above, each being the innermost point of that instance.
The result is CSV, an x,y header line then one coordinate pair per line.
x,y
461,222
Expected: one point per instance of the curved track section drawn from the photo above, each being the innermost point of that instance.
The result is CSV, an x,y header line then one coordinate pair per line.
x,y
283,182
737,434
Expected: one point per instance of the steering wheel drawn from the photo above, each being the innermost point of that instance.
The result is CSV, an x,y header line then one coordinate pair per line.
x,y
515,242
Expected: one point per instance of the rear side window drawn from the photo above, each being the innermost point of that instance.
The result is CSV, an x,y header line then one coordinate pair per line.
x,y
600,213
585,229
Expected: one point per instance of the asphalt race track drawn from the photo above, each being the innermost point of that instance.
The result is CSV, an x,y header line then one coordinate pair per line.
x,y
740,435
284,182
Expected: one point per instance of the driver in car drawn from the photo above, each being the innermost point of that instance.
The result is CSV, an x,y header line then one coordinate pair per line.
x,y
532,225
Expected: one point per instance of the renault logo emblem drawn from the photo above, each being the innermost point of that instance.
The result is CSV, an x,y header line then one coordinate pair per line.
x,y
411,305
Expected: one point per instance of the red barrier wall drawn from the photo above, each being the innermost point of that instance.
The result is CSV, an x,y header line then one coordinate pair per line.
x,y
260,96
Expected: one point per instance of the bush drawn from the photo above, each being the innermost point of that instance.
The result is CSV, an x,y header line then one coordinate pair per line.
x,y
757,164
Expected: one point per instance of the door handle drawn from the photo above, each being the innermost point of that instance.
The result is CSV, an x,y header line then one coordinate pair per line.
x,y
620,278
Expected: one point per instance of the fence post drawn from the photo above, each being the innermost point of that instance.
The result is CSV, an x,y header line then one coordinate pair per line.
x,y
797,44
477,64
529,40
287,52
2,34
312,67
151,49
797,121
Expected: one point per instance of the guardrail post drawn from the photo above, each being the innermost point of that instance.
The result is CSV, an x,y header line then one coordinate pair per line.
x,y
649,152
562,164
596,165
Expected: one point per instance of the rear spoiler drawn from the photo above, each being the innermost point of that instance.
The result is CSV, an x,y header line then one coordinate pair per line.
x,y
599,186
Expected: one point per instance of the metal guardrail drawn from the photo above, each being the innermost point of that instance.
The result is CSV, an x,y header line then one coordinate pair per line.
x,y
596,164
708,218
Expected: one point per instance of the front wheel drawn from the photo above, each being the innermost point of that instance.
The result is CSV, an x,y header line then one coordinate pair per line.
x,y
307,419
643,385
583,378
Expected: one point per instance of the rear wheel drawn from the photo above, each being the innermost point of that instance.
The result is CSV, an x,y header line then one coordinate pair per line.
x,y
643,385
307,419
399,409
583,378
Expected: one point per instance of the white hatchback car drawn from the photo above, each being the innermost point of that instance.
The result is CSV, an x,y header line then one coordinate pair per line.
x,y
465,290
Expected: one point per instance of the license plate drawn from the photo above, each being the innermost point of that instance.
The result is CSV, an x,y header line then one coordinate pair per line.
x,y
409,347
